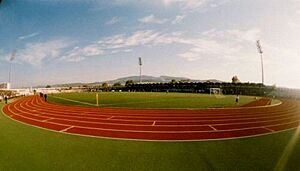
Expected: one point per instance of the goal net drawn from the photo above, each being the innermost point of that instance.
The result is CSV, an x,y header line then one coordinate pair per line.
x,y
217,92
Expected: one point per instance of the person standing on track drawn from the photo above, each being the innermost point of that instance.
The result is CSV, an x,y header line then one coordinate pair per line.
x,y
237,99
45,97
5,99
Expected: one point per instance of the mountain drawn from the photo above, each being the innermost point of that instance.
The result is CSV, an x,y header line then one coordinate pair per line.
x,y
145,78
152,79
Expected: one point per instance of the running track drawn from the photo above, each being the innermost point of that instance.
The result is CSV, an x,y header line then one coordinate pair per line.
x,y
154,124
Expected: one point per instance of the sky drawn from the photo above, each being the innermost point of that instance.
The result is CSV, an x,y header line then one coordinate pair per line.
x,y
63,41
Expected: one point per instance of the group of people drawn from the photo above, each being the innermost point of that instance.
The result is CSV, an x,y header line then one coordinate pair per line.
x,y
5,99
45,96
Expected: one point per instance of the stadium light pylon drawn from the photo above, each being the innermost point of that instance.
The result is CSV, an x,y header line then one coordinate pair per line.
x,y
261,59
140,64
12,57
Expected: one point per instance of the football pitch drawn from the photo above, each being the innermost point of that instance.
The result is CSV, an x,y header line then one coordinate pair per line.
x,y
149,100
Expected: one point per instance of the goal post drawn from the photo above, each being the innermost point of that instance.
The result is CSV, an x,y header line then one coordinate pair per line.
x,y
215,91
97,99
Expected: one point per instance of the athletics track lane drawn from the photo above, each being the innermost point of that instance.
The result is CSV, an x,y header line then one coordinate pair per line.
x,y
154,124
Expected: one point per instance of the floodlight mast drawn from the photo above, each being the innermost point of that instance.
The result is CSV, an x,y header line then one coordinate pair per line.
x,y
140,64
12,57
261,59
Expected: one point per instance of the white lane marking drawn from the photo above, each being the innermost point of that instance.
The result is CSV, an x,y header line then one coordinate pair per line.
x,y
107,118
213,128
91,104
64,130
269,129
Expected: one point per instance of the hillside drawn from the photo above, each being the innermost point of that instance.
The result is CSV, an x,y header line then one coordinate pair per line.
x,y
145,78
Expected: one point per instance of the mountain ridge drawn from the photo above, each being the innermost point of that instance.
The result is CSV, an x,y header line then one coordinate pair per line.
x,y
135,79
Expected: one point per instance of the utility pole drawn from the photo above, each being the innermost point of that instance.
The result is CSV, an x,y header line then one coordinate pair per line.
x,y
261,59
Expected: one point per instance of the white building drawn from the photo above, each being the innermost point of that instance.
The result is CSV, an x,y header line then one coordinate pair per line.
x,y
5,86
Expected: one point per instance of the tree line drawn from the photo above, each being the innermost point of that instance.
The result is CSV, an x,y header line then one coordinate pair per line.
x,y
255,89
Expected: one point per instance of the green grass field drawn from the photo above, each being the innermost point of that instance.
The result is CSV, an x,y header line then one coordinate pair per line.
x,y
25,148
149,100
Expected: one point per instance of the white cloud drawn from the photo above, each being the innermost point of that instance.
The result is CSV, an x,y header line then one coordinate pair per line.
x,y
178,19
186,3
194,4
205,48
114,20
245,35
121,44
78,54
139,38
229,44
121,51
29,36
295,1
292,24
36,53
152,19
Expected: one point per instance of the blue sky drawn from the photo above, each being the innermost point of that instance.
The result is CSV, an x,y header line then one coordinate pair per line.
x,y
61,41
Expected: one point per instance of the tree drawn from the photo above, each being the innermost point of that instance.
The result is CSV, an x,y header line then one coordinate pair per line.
x,y
105,86
173,81
48,86
128,82
118,84
235,79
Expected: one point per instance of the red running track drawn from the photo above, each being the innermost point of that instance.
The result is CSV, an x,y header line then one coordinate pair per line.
x,y
155,124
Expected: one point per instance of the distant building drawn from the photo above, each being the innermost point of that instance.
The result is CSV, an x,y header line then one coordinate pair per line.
x,y
5,86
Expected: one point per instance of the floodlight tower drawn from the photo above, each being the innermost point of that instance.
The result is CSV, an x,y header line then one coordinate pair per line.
x,y
261,58
140,64
12,57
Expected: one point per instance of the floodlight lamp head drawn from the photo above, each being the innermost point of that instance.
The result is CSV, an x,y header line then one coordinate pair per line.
x,y
259,47
13,55
140,61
